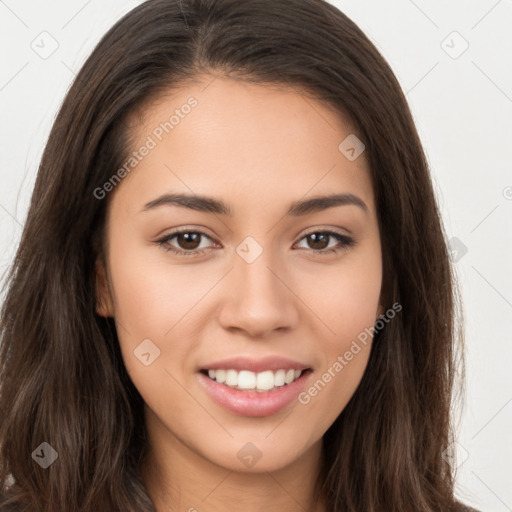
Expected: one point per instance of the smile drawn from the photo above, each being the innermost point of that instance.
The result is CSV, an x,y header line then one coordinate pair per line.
x,y
246,380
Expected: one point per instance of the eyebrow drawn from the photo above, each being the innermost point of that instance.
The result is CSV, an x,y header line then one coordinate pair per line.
x,y
212,205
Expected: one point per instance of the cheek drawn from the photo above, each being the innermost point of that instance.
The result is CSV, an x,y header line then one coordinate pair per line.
x,y
155,326
151,303
151,295
347,300
344,356
345,297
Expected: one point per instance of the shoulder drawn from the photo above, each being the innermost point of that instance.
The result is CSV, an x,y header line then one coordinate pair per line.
x,y
466,508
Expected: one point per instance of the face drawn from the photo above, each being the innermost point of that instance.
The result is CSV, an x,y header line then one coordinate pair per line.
x,y
258,287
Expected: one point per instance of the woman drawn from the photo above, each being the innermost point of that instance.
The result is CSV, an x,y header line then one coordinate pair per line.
x,y
233,284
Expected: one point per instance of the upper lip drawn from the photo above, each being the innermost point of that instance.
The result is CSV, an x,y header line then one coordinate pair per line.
x,y
273,363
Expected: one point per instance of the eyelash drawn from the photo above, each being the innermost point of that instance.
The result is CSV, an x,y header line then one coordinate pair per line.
x,y
343,239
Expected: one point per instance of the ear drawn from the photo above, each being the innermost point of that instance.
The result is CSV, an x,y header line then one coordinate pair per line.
x,y
382,301
104,303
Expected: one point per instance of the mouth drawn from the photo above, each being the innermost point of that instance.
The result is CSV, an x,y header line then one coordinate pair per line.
x,y
260,382
259,393
254,386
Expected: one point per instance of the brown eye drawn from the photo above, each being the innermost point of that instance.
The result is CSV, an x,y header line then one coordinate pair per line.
x,y
187,242
319,241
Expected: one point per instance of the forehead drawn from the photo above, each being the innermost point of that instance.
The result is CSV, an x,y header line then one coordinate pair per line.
x,y
224,137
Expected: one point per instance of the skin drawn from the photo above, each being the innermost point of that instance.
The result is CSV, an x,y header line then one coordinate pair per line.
x,y
257,148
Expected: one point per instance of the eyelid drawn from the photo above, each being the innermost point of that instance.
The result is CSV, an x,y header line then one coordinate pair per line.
x,y
318,229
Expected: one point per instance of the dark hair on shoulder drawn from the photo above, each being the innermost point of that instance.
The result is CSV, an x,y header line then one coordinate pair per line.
x,y
62,378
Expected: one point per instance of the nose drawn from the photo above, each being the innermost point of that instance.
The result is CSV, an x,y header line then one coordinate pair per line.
x,y
258,298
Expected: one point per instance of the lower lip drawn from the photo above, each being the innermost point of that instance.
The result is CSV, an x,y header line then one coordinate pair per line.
x,y
253,403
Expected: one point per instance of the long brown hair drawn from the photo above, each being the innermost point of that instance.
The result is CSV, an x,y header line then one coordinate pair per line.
x,y
63,380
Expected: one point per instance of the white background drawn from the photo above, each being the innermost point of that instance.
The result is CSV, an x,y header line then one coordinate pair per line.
x,y
462,107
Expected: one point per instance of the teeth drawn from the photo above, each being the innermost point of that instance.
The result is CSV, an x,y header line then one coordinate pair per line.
x,y
279,378
262,381
246,380
232,378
